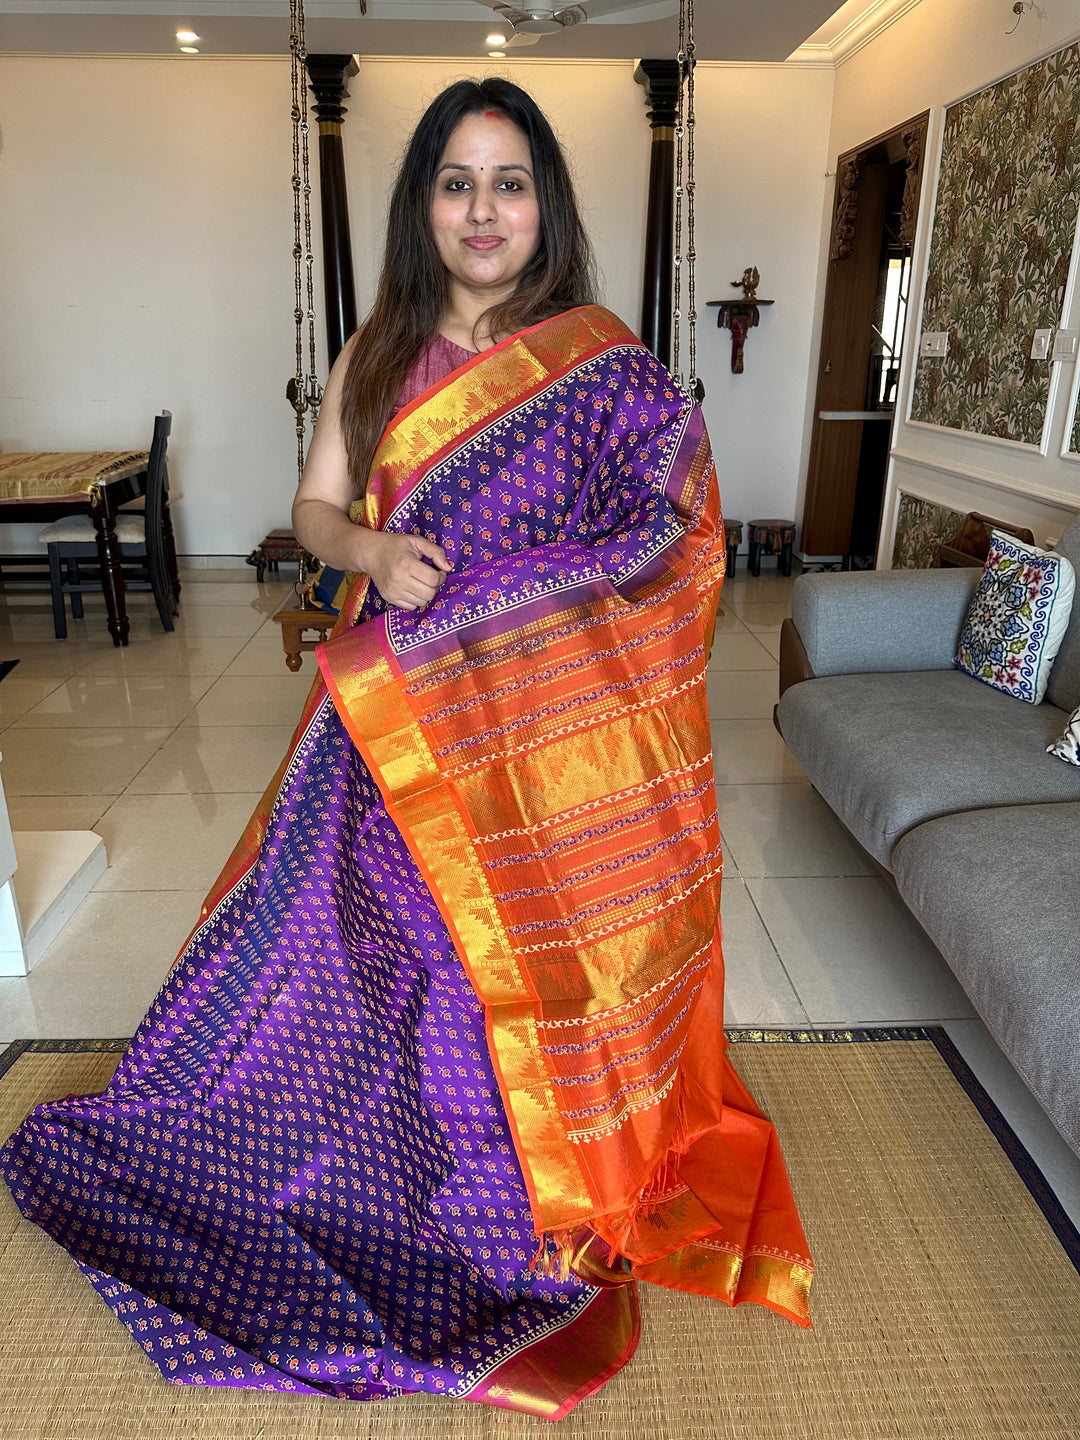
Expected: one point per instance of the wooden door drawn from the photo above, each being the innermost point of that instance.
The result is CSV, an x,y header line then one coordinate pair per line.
x,y
851,296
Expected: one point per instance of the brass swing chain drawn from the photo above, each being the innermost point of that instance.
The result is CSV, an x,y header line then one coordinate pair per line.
x,y
304,391
684,135
680,133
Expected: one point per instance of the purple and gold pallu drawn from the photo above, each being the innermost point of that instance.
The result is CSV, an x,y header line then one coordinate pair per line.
x,y
440,1072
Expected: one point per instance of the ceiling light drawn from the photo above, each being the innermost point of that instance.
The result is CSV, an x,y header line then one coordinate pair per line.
x,y
186,37
189,50
496,54
495,39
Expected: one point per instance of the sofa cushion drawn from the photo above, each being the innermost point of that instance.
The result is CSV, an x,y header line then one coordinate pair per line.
x,y
1067,747
1064,687
998,892
1018,618
890,751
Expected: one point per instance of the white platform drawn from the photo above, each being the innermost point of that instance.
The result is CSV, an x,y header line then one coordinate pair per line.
x,y
56,870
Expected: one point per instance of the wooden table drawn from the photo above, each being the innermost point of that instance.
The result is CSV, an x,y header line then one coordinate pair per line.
x,y
45,485
294,620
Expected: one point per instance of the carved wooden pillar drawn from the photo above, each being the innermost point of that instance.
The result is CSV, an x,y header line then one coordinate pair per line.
x,y
660,79
329,75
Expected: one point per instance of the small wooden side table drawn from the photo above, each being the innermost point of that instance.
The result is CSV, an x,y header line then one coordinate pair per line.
x,y
295,620
279,545
733,537
771,537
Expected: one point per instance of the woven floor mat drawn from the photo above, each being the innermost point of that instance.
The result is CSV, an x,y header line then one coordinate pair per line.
x,y
944,1306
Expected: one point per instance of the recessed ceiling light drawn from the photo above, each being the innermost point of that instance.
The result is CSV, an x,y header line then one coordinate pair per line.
x,y
186,37
495,39
188,50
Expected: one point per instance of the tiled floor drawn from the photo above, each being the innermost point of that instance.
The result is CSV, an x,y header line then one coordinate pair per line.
x,y
164,747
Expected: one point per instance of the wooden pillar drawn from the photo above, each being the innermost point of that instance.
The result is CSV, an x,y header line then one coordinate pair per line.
x,y
660,79
329,75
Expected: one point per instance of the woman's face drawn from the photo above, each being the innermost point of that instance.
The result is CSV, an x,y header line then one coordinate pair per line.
x,y
484,212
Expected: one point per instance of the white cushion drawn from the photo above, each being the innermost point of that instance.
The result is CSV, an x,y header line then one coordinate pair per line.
x,y
1018,618
79,530
1068,747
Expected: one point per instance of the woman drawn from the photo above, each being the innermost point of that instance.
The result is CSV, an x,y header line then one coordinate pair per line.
x,y
439,1074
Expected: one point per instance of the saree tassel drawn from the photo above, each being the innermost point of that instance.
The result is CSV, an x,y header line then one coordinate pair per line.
x,y
554,1255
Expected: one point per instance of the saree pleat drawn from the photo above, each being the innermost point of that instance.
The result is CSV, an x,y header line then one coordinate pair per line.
x,y
440,1070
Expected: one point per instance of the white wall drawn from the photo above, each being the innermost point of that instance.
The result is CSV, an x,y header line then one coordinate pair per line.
x,y
762,188
935,54
145,254
145,262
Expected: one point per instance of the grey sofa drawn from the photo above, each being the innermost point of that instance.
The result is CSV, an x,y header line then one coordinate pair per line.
x,y
947,784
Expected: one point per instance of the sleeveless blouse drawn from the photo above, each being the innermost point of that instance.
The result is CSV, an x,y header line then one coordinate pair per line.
x,y
438,357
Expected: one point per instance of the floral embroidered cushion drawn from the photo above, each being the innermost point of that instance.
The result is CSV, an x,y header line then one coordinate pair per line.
x,y
1017,618
1067,748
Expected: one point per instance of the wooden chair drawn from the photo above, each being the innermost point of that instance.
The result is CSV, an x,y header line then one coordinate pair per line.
x,y
145,540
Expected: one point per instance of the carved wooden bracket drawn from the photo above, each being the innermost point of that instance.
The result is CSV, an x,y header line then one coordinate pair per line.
x,y
740,317
847,203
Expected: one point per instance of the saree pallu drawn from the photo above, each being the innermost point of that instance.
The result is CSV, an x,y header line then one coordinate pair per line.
x,y
440,1073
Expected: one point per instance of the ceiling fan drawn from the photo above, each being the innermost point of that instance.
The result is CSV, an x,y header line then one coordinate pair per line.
x,y
530,23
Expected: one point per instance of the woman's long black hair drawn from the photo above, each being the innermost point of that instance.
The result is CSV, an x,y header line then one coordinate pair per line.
x,y
414,288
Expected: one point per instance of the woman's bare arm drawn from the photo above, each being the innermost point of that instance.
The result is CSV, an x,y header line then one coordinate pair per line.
x,y
396,563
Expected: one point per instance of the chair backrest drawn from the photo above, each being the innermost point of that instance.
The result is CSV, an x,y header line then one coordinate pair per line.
x,y
157,489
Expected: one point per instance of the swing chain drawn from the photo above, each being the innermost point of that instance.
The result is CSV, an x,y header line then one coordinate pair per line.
x,y
303,390
685,190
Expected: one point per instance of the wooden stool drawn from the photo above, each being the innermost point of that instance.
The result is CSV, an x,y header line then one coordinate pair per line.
x,y
294,620
733,536
279,545
771,537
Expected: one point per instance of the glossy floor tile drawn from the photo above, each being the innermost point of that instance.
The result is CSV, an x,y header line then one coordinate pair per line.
x,y
265,598
264,654
200,759
738,651
761,616
65,761
741,694
87,701
750,752
171,842
757,990
103,970
254,700
855,953
18,694
728,619
56,812
209,621
175,654
786,830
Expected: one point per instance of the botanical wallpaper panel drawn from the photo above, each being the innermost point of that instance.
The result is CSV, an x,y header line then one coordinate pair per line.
x,y
1074,440
921,526
1004,228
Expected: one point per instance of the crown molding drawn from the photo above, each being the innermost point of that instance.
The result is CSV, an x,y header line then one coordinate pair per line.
x,y
873,21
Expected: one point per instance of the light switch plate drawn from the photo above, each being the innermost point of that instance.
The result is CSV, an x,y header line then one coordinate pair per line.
x,y
1066,345
934,342
1040,344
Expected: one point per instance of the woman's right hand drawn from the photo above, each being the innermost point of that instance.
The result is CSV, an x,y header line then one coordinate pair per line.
x,y
398,567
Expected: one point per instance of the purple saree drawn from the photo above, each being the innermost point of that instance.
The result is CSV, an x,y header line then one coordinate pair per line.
x,y
311,1170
